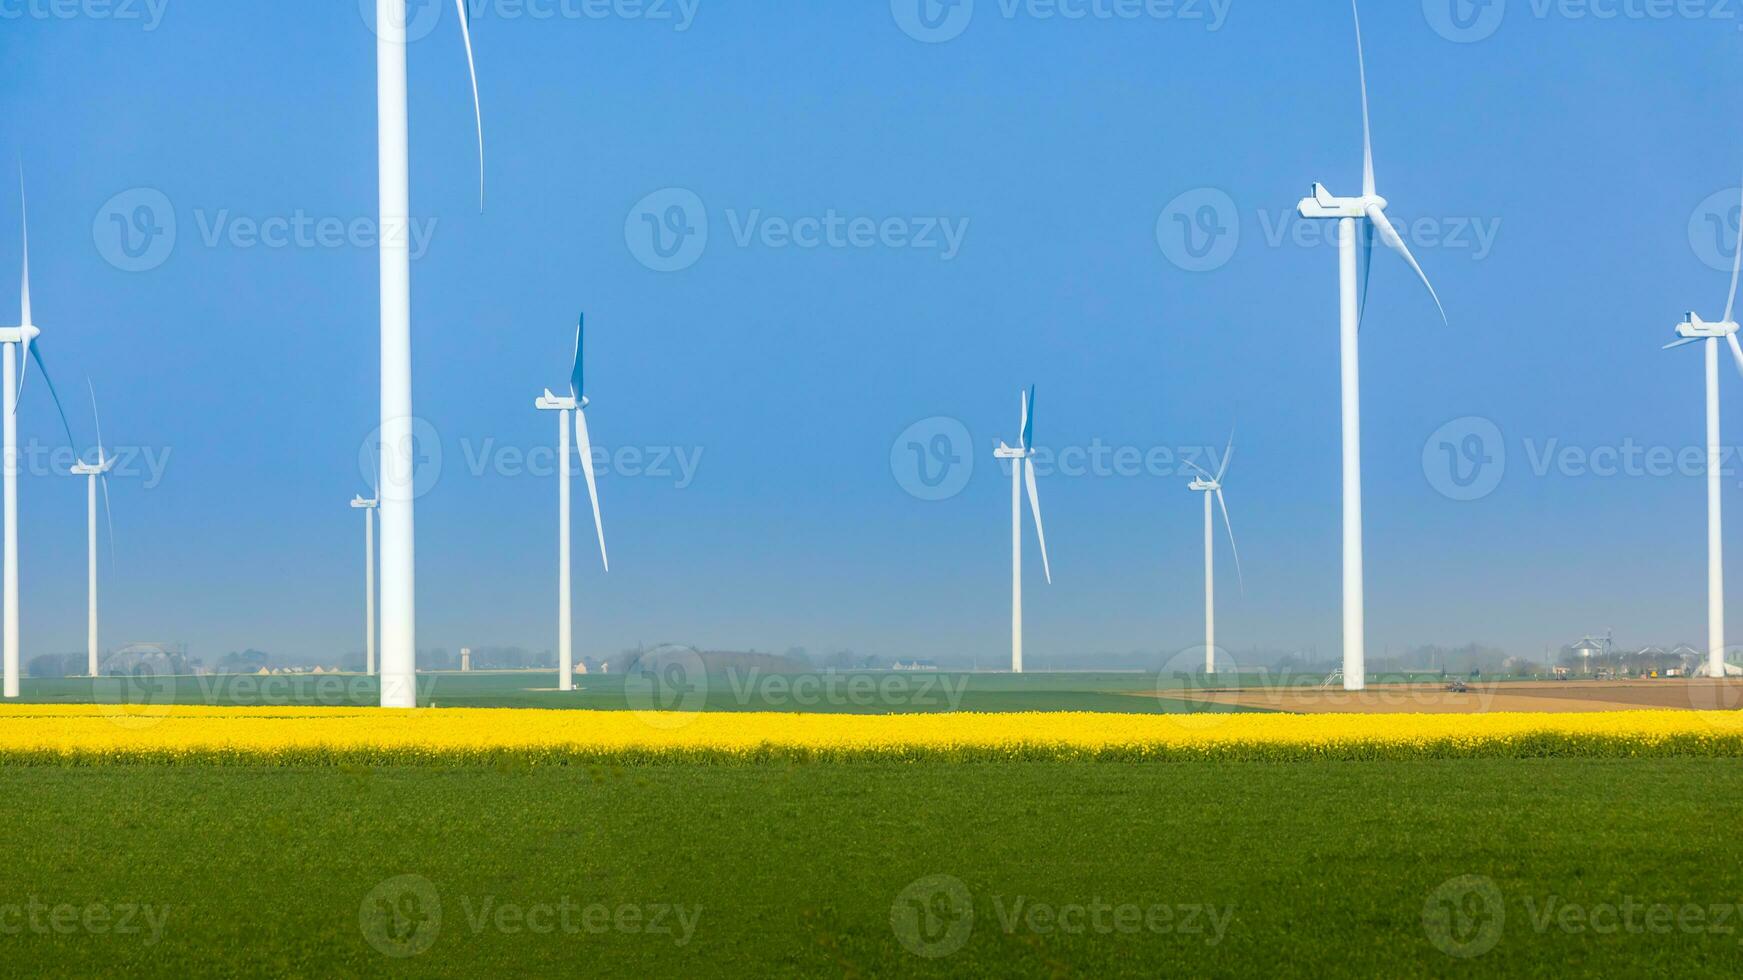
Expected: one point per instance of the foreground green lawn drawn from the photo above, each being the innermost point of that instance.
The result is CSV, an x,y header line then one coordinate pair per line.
x,y
1625,868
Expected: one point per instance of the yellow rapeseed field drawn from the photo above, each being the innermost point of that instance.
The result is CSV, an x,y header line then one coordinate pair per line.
x,y
97,733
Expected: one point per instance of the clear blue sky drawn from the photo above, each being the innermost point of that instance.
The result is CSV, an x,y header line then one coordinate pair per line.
x,y
1585,146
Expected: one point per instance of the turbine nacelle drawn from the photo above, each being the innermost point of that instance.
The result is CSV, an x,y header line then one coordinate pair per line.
x,y
1695,328
559,403
1323,204
361,504
102,466
1204,486
19,335
1007,452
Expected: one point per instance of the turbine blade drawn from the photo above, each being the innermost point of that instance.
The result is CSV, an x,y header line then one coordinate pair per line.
x,y
103,475
1389,235
23,293
24,351
374,455
1228,454
109,514
97,418
1736,269
24,284
1681,342
1367,247
1736,351
1368,184
1035,508
36,353
576,389
477,106
584,443
1029,419
1232,546
1201,471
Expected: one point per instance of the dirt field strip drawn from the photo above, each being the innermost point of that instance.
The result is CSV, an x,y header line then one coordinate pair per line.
x,y
1526,696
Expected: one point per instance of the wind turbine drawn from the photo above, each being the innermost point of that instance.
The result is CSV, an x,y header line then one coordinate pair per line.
x,y
1695,330
575,403
1366,216
94,473
1023,472
1212,486
398,444
11,339
368,507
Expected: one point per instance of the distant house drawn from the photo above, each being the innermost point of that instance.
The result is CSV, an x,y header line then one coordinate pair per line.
x,y
914,665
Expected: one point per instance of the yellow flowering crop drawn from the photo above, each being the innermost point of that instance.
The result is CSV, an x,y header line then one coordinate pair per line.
x,y
97,733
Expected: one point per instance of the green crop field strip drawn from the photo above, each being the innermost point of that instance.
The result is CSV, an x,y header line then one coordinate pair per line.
x,y
851,692
1071,867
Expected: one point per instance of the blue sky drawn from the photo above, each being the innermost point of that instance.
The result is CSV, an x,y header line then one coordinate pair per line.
x,y
1017,176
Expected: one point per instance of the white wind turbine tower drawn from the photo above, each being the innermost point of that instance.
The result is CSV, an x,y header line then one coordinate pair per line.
x,y
94,473
576,403
1366,216
11,339
369,507
1212,487
1023,473
1695,330
398,445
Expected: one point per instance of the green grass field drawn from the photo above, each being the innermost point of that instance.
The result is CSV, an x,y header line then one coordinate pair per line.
x,y
859,692
1029,869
